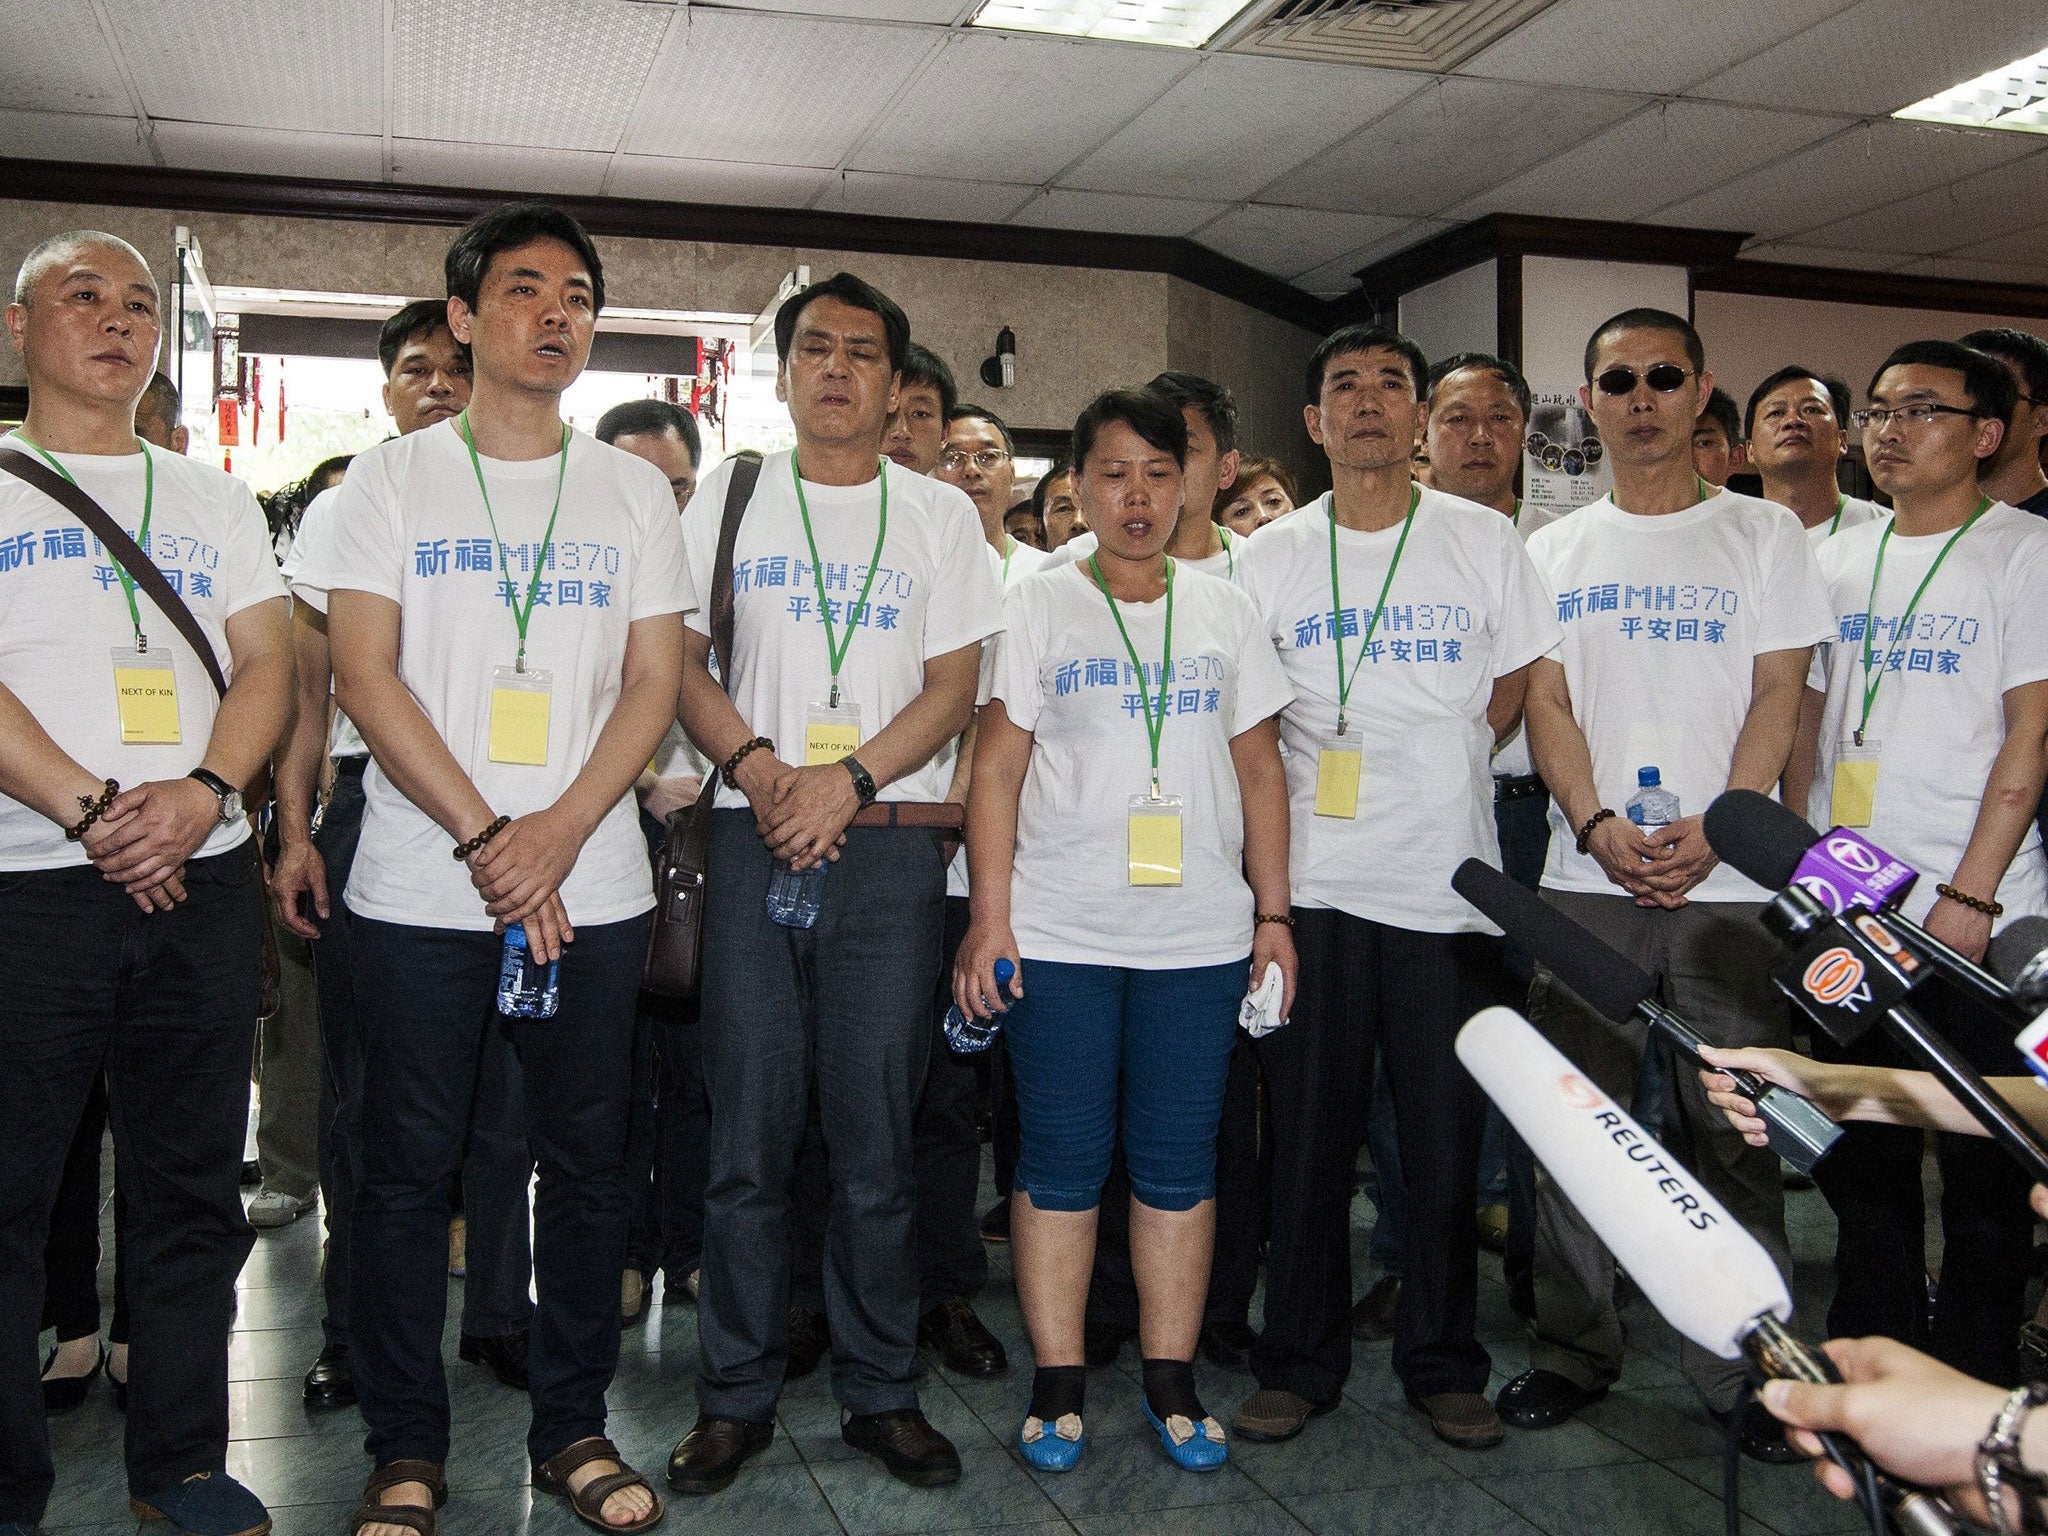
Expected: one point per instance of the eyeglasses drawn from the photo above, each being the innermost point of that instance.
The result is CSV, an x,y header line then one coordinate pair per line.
x,y
983,459
1662,377
1918,414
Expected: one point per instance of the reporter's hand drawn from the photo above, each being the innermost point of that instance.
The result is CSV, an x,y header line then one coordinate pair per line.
x,y
547,929
1798,1073
1273,944
520,868
152,830
1963,929
664,797
806,823
974,970
299,868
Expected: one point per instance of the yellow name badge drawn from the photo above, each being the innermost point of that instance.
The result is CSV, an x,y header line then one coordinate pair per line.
x,y
146,693
830,733
1155,840
519,716
1855,786
1339,766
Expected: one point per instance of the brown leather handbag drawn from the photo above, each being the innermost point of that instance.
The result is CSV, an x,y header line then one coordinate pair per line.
x,y
675,943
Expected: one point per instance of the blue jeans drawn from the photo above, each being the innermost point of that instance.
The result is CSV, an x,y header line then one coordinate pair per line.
x,y
1085,1037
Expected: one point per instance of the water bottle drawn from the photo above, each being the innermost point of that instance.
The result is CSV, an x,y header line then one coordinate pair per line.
x,y
526,988
967,1033
793,895
1652,807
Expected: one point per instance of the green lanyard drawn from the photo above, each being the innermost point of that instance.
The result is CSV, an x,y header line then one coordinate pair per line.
x,y
1344,680
1229,554
1872,684
141,537
1155,720
520,615
1835,527
1009,549
835,650
1515,520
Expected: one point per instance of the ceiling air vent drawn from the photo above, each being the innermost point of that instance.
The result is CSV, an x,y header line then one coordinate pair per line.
x,y
1430,35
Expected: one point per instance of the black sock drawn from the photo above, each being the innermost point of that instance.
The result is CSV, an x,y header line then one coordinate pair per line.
x,y
1170,1389
1057,1390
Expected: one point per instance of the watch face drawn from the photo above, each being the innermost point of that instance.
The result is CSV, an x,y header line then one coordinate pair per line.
x,y
231,806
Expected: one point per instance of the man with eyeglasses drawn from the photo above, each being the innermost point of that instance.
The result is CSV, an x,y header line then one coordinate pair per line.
x,y
1923,724
1689,618
1797,424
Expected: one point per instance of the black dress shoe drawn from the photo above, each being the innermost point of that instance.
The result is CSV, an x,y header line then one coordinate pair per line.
x,y
332,1381
1539,1399
64,1393
906,1444
504,1354
1101,1344
962,1341
1228,1345
710,1456
252,1172
809,1339
1762,1437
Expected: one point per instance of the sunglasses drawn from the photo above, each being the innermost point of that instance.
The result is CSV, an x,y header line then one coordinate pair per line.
x,y
1662,377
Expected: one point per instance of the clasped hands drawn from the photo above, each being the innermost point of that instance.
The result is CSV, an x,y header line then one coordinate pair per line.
x,y
145,836
1657,869
801,813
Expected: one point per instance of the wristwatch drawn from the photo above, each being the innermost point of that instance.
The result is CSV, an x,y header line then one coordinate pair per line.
x,y
229,796
863,781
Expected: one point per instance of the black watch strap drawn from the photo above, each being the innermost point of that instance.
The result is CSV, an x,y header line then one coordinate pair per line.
x,y
863,781
213,781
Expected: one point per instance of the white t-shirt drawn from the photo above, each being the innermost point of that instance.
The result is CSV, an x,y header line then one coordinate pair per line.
x,y
343,739
1663,619
1980,630
1077,550
1465,608
62,614
1855,512
1511,759
935,590
409,524
676,756
1062,673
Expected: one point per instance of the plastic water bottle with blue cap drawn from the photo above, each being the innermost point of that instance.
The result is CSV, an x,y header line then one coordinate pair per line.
x,y
967,1033
794,895
1652,807
526,988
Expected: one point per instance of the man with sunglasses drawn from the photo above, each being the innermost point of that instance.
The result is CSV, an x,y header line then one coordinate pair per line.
x,y
1689,618
1797,426
1924,724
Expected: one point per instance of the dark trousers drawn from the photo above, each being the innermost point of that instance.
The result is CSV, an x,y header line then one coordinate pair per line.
x,y
1524,828
496,1165
1872,1180
71,1257
1371,990
165,1004
427,1004
843,1009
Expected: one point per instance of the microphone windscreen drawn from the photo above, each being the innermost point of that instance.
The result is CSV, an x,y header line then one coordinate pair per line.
x,y
1708,1277
2013,954
1609,982
1758,837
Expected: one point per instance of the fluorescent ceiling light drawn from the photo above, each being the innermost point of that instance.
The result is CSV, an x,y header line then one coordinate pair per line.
x,y
2014,96
1175,23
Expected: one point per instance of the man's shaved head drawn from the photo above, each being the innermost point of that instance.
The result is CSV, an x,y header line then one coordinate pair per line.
x,y
61,248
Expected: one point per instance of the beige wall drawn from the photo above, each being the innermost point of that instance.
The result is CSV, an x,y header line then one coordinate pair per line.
x,y
1260,360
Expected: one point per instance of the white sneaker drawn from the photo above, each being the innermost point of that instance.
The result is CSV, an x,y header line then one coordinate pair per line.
x,y
272,1209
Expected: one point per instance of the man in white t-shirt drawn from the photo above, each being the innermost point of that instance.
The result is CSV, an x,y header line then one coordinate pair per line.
x,y
127,889
861,595
1406,672
1924,725
1689,618
504,605
1797,423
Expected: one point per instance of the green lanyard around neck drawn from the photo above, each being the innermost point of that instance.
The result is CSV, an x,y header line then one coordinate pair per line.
x,y
1229,554
1344,679
1515,518
1009,549
1841,502
520,616
836,649
1155,720
141,537
1872,683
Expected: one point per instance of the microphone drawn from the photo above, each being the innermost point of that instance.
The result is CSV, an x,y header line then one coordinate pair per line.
x,y
1703,1273
2018,956
1617,989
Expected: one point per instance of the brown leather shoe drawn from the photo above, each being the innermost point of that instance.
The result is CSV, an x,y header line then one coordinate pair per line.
x,y
1463,1419
906,1444
1271,1415
710,1456
1372,1320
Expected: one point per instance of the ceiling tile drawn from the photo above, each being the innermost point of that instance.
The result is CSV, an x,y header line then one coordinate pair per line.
x,y
707,95
1880,55
2023,245
272,151
1237,123
1982,207
1341,274
1287,241
1115,212
1979,271
1859,168
60,63
565,77
1661,154
930,12
1787,254
919,197
71,136
993,107
1658,49
258,63
1447,142
713,181
504,168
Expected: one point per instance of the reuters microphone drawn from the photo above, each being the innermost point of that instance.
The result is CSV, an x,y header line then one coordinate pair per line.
x,y
1707,1277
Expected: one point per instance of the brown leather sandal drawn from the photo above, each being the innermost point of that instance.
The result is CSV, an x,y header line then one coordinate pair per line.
x,y
409,1516
552,1476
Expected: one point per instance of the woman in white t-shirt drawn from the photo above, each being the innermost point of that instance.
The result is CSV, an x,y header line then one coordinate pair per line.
x,y
1128,802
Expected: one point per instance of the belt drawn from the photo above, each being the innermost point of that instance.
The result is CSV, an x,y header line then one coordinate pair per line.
x,y
1517,786
350,767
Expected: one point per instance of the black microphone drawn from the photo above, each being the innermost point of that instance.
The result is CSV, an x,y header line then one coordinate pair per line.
x,y
2018,956
1617,989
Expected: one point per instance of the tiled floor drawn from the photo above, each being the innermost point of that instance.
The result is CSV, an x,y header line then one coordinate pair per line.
x,y
1645,1461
